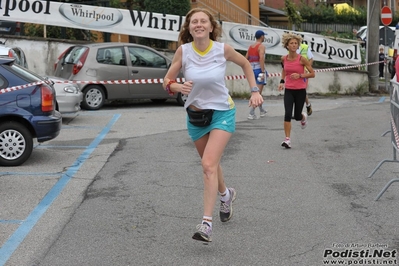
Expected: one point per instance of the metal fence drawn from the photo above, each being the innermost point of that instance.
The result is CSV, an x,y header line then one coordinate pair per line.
x,y
318,28
394,99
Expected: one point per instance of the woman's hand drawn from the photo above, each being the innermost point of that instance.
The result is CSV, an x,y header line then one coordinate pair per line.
x,y
256,99
186,87
281,86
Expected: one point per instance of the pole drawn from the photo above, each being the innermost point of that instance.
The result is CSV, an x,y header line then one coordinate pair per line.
x,y
372,42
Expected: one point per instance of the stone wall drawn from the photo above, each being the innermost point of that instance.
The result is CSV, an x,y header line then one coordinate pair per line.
x,y
43,53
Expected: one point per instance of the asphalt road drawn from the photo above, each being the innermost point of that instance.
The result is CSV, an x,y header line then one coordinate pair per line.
x,y
123,186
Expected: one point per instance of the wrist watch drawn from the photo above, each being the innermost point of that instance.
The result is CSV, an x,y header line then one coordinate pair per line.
x,y
254,89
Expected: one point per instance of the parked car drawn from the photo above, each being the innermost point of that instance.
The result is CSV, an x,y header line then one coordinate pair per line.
x,y
8,27
14,52
115,61
68,96
390,35
27,112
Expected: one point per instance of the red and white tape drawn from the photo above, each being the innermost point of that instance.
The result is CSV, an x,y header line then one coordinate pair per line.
x,y
160,80
395,132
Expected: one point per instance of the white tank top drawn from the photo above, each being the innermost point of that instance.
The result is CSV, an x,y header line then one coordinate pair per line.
x,y
207,72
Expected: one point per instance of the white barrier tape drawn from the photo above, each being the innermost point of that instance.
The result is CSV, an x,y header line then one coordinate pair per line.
x,y
152,81
10,89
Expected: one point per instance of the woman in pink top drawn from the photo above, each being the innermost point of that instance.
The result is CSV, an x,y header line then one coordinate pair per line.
x,y
294,77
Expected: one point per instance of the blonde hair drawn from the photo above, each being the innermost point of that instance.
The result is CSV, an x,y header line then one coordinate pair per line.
x,y
185,36
288,36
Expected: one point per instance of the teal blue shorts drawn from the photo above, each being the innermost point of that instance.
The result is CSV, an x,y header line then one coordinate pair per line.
x,y
224,120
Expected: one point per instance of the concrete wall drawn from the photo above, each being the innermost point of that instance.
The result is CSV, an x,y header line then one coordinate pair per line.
x,y
43,53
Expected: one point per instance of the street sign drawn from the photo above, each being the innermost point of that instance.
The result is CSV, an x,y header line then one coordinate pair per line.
x,y
386,15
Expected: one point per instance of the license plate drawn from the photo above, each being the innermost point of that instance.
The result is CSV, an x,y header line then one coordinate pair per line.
x,y
5,29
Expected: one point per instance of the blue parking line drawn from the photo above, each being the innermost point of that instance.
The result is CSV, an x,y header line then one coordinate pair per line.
x,y
23,230
382,99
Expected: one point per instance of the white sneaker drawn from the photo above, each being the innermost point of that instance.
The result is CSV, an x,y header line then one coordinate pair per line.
x,y
252,117
304,123
286,143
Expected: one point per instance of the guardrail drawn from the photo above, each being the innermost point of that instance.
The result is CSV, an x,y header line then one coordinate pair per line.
x,y
394,100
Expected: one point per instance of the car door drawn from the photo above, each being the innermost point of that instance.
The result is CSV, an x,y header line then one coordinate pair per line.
x,y
146,64
110,65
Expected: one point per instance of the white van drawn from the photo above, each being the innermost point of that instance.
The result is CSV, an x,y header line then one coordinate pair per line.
x,y
390,34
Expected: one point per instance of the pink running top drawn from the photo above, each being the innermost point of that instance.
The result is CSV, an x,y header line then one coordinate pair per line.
x,y
292,67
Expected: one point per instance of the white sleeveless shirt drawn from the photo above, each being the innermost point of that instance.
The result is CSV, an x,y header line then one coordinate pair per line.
x,y
207,72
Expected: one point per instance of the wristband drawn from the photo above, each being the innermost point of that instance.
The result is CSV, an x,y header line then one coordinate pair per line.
x,y
167,88
254,89
282,81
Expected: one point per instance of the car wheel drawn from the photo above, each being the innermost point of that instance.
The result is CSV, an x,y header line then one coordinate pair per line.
x,y
93,97
181,99
16,143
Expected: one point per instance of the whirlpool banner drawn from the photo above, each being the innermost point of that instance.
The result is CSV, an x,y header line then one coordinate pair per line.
x,y
164,27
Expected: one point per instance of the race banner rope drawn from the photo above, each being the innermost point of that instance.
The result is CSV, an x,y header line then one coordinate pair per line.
x,y
160,80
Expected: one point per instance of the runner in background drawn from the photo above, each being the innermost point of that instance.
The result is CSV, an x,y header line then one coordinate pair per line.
x,y
304,51
256,56
294,81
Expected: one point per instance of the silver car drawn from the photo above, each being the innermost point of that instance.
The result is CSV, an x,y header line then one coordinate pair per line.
x,y
115,64
69,96
14,52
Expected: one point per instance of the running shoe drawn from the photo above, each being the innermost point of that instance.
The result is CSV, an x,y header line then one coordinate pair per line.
x,y
203,233
252,117
286,143
304,123
263,113
309,109
226,208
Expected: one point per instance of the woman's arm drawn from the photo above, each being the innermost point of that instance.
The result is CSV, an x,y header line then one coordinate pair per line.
x,y
282,81
173,72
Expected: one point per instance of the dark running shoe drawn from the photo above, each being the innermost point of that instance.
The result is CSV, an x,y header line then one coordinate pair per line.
x,y
203,233
309,109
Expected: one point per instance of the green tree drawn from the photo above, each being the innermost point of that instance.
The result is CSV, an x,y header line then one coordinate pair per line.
x,y
294,17
172,7
324,13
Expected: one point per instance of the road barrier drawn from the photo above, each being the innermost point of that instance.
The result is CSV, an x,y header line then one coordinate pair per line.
x,y
394,104
160,80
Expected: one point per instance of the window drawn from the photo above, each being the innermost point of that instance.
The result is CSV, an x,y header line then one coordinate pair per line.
x,y
144,57
2,82
72,56
111,55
